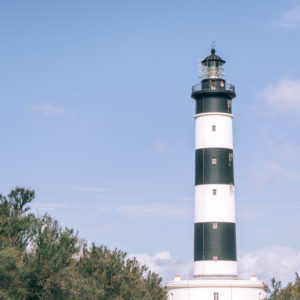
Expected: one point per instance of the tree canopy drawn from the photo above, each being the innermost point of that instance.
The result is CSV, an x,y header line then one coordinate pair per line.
x,y
290,292
41,260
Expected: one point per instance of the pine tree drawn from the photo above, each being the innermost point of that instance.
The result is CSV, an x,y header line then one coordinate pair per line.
x,y
41,260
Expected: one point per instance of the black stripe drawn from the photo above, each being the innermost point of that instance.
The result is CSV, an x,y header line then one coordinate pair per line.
x,y
208,173
219,243
213,103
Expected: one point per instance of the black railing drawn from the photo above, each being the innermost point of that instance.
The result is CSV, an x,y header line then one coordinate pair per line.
x,y
213,85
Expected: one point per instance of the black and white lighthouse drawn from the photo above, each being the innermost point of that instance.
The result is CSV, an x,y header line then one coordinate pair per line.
x,y
214,228
215,254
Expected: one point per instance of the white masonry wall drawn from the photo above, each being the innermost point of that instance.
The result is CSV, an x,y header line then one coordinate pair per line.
x,y
214,208
206,138
214,130
221,289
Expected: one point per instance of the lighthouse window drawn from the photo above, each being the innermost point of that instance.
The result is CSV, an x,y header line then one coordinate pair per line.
x,y
216,296
213,127
215,258
215,225
212,85
214,192
214,160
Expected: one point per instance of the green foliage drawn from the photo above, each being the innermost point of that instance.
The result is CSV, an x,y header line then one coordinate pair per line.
x,y
15,226
115,277
50,260
11,268
41,260
290,292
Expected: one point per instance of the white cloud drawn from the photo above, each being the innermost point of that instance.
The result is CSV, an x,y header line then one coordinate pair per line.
x,y
95,189
283,97
252,212
48,110
279,262
152,210
291,19
155,210
187,199
47,207
88,123
160,146
104,210
272,171
287,151
282,164
166,266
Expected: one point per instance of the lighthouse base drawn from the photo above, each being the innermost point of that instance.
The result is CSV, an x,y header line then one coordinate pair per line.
x,y
200,289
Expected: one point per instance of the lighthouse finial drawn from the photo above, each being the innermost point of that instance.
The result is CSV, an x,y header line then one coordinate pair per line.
x,y
213,44
213,50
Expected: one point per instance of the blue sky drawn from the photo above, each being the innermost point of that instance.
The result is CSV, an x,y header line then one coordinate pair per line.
x,y
97,118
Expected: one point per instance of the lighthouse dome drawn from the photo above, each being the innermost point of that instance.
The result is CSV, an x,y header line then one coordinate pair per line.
x,y
213,58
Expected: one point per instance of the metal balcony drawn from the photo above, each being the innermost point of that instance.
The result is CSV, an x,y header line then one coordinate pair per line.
x,y
213,86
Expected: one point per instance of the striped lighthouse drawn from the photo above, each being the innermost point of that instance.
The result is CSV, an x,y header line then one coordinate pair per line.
x,y
215,258
214,212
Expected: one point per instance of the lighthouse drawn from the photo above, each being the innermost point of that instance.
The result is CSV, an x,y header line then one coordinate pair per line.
x,y
214,222
215,254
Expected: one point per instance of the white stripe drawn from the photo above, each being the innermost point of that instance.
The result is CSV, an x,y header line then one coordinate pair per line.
x,y
220,138
219,267
213,114
214,208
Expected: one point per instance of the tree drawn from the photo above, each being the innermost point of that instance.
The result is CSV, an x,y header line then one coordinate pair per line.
x,y
15,230
117,278
15,225
49,264
290,292
41,260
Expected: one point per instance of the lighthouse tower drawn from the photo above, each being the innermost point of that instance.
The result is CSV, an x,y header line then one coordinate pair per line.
x,y
214,231
215,255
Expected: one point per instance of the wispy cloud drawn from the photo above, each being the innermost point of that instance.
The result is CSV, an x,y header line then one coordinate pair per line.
x,y
272,171
187,199
160,146
283,97
95,189
163,264
152,210
277,261
252,212
287,151
47,109
92,122
281,165
291,19
47,207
